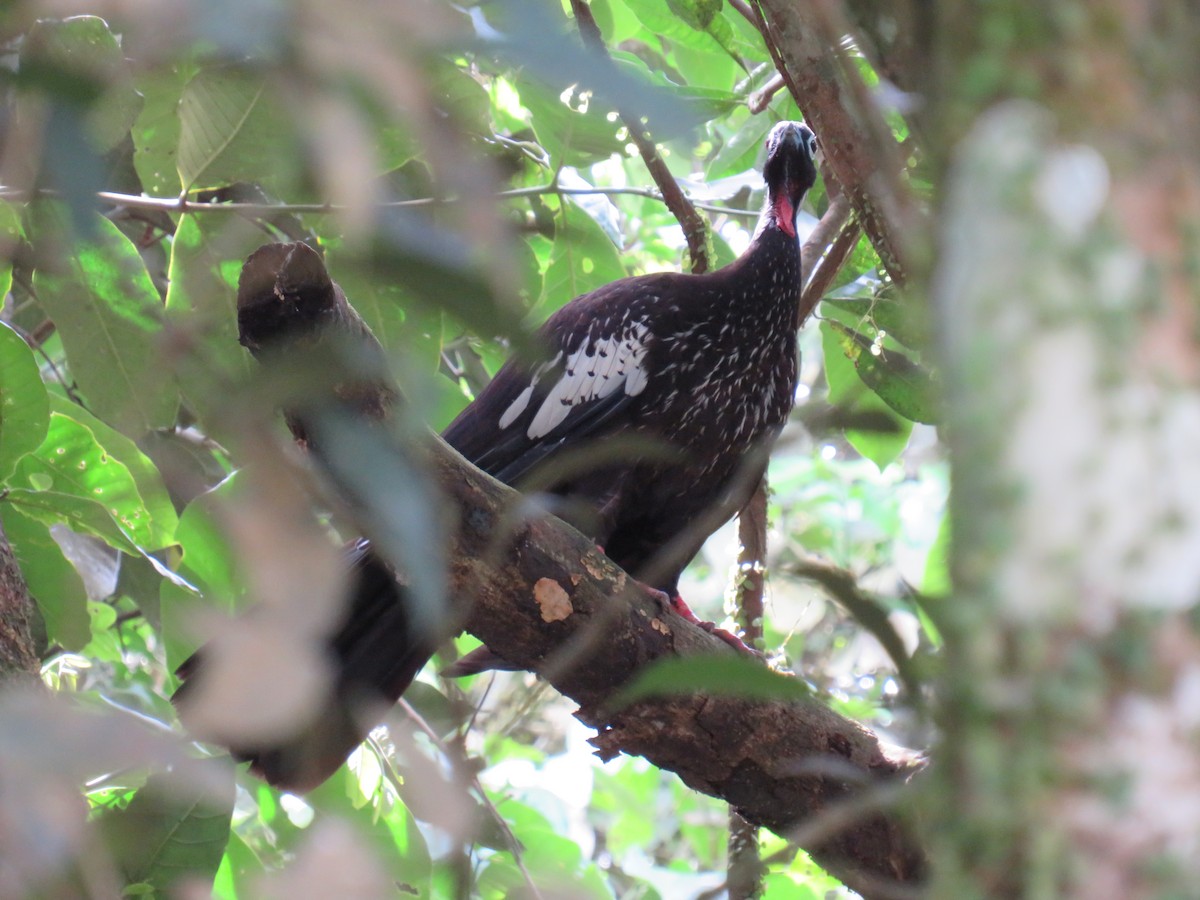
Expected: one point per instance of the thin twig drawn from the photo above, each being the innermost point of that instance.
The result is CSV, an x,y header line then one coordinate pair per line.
x,y
182,205
758,101
823,254
744,10
514,845
743,866
695,231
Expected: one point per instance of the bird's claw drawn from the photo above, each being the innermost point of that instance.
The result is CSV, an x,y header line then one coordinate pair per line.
x,y
679,607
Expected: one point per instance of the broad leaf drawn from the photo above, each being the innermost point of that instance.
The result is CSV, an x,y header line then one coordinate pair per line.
x,y
902,320
847,390
156,132
89,55
233,128
206,260
77,513
72,461
24,406
52,580
583,259
175,828
109,315
575,134
901,384
726,675
146,476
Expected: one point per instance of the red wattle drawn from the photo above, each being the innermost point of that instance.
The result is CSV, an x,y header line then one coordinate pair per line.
x,y
785,215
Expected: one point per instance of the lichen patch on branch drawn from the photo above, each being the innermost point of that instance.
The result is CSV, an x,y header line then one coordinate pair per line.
x,y
552,600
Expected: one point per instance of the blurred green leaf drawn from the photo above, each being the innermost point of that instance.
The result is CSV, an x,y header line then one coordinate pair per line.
x,y
80,514
24,406
145,474
234,128
75,463
740,152
847,390
206,260
572,137
208,563
175,828
725,675
52,580
583,259
81,50
156,131
109,315
10,233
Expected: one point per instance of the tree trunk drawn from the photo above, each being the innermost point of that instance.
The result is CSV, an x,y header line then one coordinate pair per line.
x,y
19,661
1066,286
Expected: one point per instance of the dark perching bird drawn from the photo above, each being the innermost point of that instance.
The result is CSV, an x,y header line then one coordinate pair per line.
x,y
699,371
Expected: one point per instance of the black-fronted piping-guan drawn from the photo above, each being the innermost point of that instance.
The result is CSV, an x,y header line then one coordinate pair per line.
x,y
703,364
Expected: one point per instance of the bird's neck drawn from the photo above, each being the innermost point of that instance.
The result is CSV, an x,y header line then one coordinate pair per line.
x,y
772,260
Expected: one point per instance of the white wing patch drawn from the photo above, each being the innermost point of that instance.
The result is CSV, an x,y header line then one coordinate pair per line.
x,y
596,370
518,406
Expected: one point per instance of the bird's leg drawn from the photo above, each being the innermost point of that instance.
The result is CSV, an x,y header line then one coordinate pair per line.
x,y
679,607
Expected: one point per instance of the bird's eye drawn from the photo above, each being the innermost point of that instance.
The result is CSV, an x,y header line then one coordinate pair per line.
x,y
812,146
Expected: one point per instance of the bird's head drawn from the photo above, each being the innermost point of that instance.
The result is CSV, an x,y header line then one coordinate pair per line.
x,y
790,171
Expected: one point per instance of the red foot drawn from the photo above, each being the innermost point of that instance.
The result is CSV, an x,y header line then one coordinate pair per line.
x,y
681,608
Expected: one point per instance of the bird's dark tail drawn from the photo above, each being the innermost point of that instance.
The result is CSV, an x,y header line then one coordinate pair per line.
x,y
375,655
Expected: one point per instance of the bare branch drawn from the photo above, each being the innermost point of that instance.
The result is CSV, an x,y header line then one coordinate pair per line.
x,y
183,205
695,231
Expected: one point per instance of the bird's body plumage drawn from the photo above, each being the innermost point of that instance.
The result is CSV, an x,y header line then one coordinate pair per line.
x,y
671,385
701,368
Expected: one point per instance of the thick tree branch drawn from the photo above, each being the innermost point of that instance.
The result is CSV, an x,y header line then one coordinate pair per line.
x,y
18,654
780,765
858,150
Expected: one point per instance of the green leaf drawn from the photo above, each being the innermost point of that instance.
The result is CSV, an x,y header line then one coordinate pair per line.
x,y
77,513
109,316
847,390
901,319
206,260
83,48
705,16
234,128
935,581
740,152
156,131
52,580
75,463
209,564
697,24
24,406
725,675
900,383
584,258
10,233
395,839
571,137
145,473
239,864
702,104
176,827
